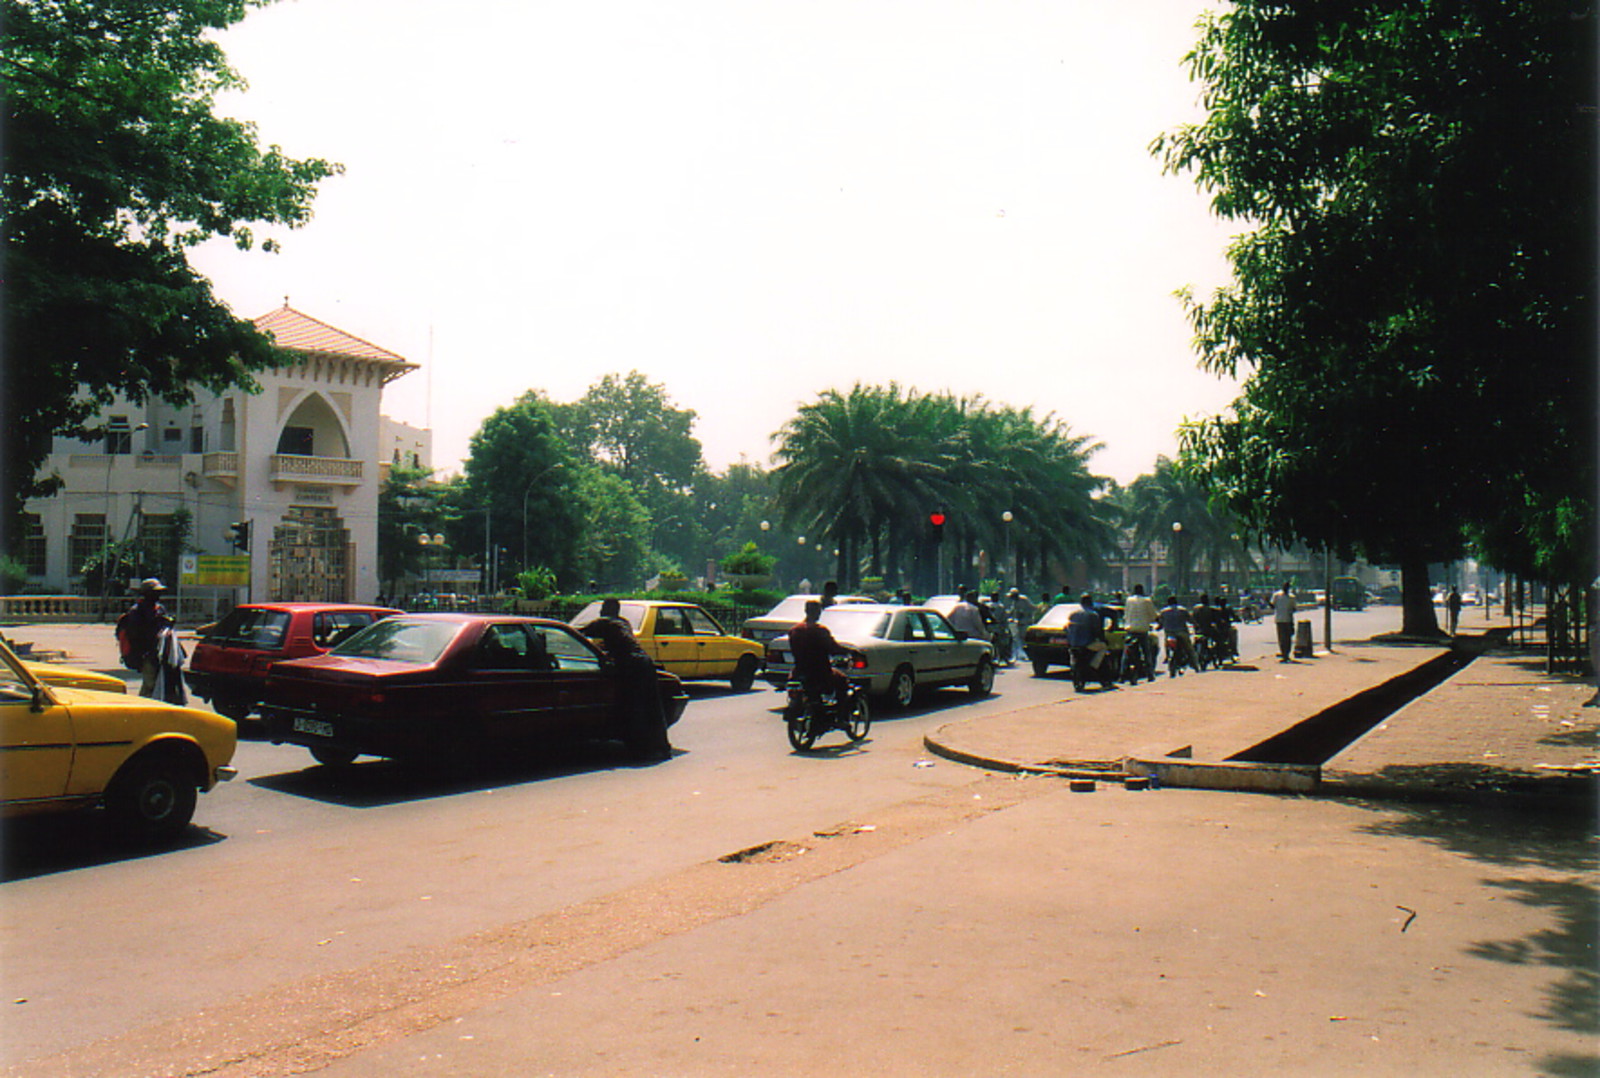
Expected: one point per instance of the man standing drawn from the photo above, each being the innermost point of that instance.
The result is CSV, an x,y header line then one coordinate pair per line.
x,y
139,630
1452,607
1283,608
965,617
641,692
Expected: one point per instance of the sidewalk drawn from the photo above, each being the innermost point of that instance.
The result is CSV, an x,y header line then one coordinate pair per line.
x,y
1500,724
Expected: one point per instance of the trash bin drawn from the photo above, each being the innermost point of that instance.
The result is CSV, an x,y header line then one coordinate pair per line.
x,y
1302,640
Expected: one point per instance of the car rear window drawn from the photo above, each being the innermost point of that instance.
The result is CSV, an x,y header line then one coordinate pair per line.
x,y
854,624
400,640
248,627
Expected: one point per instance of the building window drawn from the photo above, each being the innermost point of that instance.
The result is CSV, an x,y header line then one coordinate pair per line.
x,y
297,441
87,540
158,544
34,547
197,439
171,436
119,435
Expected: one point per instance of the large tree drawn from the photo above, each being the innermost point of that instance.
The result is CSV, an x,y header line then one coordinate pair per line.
x,y
521,484
115,165
1413,310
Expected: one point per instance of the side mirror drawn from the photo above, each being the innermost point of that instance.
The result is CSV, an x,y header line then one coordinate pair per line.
x,y
961,634
40,701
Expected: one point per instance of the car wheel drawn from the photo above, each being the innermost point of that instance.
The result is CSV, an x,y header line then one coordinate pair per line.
x,y
328,756
152,798
982,683
903,687
744,675
1040,667
230,707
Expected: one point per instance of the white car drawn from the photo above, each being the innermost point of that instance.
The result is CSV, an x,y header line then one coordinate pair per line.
x,y
897,650
786,615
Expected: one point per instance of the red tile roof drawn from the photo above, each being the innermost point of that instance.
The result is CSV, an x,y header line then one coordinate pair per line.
x,y
298,332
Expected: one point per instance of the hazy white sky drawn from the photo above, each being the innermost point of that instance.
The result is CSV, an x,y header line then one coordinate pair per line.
x,y
748,201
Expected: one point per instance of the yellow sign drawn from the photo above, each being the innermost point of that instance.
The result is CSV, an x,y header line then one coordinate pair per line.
x,y
215,571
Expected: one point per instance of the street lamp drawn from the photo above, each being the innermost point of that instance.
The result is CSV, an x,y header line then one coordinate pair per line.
x,y
525,493
425,540
105,547
1007,517
1177,545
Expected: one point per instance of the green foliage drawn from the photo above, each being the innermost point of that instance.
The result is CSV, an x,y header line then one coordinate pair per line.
x,y
1413,311
1173,494
409,504
115,165
537,583
749,561
616,527
518,466
13,576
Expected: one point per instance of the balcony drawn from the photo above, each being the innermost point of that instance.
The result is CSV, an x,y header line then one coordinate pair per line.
x,y
224,466
324,471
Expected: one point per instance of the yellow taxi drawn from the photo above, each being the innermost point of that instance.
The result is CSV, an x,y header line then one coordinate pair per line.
x,y
685,640
145,761
75,677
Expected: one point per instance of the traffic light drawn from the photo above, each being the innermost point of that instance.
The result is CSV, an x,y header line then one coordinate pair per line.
x,y
936,520
238,534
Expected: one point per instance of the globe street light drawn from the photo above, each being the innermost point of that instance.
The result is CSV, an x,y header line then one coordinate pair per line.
x,y
1177,544
1007,517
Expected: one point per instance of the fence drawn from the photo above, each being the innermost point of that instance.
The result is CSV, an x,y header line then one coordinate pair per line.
x,y
186,610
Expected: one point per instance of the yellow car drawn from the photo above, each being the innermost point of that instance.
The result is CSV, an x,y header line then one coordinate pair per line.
x,y
145,761
685,640
75,677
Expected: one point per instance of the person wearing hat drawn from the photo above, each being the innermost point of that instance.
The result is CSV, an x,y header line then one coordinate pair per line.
x,y
139,631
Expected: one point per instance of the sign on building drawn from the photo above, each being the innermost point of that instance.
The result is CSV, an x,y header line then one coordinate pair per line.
x,y
214,570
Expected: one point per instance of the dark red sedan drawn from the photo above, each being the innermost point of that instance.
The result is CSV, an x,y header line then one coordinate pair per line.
x,y
447,686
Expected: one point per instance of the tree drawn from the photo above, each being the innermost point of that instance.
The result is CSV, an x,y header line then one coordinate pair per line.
x,y
1170,495
115,166
1414,309
408,506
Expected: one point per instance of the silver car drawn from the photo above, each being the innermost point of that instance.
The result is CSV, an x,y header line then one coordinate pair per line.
x,y
786,615
901,648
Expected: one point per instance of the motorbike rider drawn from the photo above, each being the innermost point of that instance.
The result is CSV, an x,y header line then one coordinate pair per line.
x,y
814,647
965,617
1175,627
1139,616
1086,632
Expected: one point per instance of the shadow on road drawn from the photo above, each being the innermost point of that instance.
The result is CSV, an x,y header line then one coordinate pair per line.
x,y
41,845
1556,837
373,783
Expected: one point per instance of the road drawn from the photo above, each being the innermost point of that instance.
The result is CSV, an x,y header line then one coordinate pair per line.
x,y
294,870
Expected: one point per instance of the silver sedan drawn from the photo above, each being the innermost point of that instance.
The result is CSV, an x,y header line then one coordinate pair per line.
x,y
900,648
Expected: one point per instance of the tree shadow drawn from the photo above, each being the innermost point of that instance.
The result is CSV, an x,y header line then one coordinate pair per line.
x,y
1554,835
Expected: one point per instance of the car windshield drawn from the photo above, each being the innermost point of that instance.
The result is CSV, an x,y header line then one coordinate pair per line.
x,y
849,623
251,627
401,640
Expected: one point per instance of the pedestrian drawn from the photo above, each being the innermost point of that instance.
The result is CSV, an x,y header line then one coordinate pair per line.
x,y
139,631
830,593
1452,609
965,617
645,719
1283,608
1022,616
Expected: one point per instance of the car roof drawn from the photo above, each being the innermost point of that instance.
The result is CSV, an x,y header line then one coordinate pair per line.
x,y
316,606
456,618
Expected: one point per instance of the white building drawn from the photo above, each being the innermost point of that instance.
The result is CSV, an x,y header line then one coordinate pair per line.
x,y
301,462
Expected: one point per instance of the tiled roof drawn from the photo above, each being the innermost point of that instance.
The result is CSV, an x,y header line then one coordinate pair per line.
x,y
301,333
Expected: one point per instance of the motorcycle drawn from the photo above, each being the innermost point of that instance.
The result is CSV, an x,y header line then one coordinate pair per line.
x,y
1084,669
809,716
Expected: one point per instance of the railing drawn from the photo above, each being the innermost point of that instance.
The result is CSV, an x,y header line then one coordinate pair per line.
x,y
299,469
35,609
220,464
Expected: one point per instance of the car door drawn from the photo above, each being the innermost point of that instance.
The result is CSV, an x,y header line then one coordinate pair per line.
x,y
942,652
587,690
515,692
671,642
716,653
36,747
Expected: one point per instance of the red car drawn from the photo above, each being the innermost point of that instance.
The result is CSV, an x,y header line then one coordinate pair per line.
x,y
229,664
446,686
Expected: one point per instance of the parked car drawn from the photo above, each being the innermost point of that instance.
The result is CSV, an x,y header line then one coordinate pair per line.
x,y
231,658
145,761
901,649
1348,593
786,615
687,641
450,686
75,677
1046,639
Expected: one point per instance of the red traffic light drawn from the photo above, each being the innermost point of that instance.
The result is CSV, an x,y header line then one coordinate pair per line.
x,y
936,519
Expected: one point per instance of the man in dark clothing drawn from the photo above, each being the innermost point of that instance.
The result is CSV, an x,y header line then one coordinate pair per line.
x,y
141,627
1085,625
646,719
814,646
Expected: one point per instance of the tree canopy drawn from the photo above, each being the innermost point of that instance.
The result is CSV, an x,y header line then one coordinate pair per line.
x,y
1413,310
115,166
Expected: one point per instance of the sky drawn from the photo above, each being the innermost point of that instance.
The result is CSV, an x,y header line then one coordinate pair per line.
x,y
750,202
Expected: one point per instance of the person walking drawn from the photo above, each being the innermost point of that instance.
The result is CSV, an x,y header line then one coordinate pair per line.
x,y
1452,609
138,635
1283,609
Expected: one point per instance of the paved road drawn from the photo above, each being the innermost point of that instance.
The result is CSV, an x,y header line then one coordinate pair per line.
x,y
297,870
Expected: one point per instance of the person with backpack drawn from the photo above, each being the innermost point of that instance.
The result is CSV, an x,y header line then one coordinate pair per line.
x,y
138,635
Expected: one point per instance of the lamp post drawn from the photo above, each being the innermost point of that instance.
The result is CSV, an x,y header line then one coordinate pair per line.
x,y
105,546
531,483
1011,564
1177,553
425,540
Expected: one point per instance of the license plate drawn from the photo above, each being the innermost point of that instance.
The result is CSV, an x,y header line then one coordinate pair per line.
x,y
1058,640
313,726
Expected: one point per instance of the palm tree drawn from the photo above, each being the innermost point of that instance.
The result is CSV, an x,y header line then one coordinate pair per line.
x,y
1156,502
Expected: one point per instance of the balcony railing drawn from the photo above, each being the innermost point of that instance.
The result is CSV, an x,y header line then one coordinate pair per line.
x,y
331,471
220,465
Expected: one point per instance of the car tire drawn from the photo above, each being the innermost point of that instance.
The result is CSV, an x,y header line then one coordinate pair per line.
x,y
1040,667
982,683
329,756
744,675
152,799
903,688
231,707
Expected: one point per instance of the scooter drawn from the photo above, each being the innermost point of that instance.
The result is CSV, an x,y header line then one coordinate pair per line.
x,y
810,715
